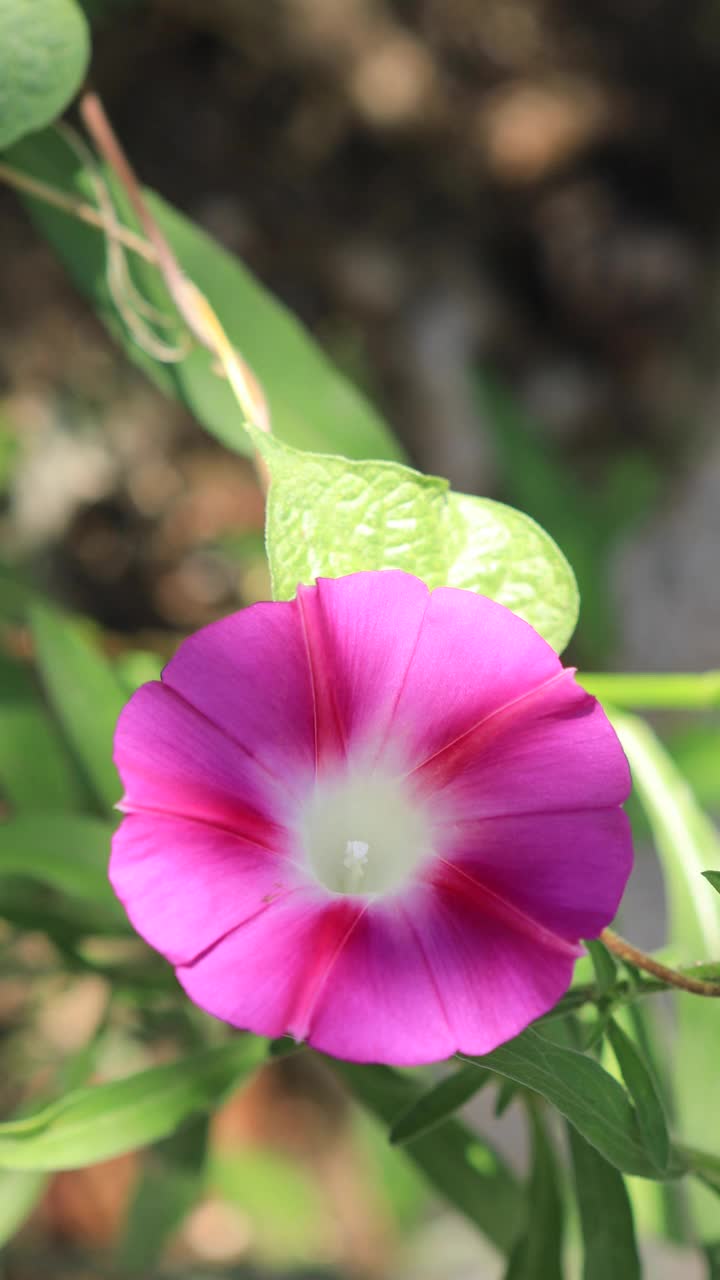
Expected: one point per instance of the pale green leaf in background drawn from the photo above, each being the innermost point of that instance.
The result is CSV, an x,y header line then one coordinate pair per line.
x,y
713,878
67,851
687,843
44,51
19,1193
35,768
85,694
106,1120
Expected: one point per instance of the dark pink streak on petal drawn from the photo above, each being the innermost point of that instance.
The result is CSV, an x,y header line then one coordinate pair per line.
x,y
494,979
253,976
332,933
184,884
361,633
457,882
566,870
173,760
553,752
380,1002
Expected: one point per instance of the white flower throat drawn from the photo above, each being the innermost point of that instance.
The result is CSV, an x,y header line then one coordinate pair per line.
x,y
364,833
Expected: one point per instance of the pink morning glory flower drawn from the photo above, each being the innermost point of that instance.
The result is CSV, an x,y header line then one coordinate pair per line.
x,y
375,817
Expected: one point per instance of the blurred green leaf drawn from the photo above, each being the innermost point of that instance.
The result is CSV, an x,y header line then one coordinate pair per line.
x,y
586,519
19,1193
65,920
439,1102
644,1092
582,1091
311,404
44,51
280,1198
327,516
605,1215
136,667
460,1165
85,693
712,1257
696,691
108,1119
687,843
67,851
603,964
538,1255
713,878
171,1182
36,771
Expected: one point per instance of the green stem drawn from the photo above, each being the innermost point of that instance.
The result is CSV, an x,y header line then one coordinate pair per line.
x,y
647,692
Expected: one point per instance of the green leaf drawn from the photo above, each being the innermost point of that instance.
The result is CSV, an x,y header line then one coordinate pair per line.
x,y
437,1104
644,1093
713,877
459,1164
171,1182
19,1193
603,965
712,1257
36,771
605,1215
108,1119
67,851
503,554
539,1253
687,842
44,51
85,694
327,516
311,404
582,1091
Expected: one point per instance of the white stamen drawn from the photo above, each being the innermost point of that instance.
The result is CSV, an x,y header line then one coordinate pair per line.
x,y
398,835
355,860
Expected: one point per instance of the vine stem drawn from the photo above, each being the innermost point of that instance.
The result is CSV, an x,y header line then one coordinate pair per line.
x,y
641,960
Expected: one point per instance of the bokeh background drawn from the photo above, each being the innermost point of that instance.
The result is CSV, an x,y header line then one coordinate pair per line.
x,y
501,218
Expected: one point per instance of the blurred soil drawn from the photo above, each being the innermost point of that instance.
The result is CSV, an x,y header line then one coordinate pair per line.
x,y
438,187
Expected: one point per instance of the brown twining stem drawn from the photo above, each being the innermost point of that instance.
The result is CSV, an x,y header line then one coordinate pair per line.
x,y
640,959
190,302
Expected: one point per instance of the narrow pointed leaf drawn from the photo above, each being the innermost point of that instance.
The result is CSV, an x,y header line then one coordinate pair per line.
x,y
644,1093
583,1092
605,1215
539,1253
437,1104
713,878
19,1193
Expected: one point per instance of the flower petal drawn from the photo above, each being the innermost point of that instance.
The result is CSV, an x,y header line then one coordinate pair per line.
x,y
416,983
473,657
361,633
248,674
173,760
565,870
185,884
266,975
554,751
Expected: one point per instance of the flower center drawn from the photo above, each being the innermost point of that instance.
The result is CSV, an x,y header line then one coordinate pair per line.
x,y
363,833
